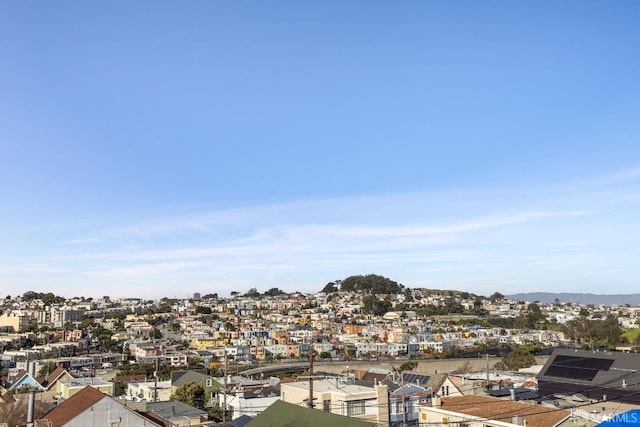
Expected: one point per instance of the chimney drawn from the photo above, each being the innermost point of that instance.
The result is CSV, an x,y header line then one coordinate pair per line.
x,y
31,408
512,391
436,401
517,420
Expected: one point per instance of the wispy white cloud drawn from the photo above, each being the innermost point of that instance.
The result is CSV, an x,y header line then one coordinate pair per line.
x,y
143,270
84,241
33,269
444,237
605,180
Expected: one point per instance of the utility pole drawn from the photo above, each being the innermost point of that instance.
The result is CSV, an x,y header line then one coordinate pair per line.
x,y
404,396
311,377
224,406
155,382
488,378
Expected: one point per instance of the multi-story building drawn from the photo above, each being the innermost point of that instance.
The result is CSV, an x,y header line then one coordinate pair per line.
x,y
63,315
342,398
15,321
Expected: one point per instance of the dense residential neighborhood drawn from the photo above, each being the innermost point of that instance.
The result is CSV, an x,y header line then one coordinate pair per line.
x,y
367,349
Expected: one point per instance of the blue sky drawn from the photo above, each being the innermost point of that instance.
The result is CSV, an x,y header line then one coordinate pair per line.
x,y
164,148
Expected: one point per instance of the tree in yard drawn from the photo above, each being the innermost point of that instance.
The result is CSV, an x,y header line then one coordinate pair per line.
x,y
408,366
464,368
194,362
191,394
27,388
594,332
515,360
374,305
534,314
118,388
203,310
216,413
45,370
478,307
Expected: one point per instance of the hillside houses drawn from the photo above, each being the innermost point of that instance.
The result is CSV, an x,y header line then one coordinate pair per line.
x,y
90,340
271,327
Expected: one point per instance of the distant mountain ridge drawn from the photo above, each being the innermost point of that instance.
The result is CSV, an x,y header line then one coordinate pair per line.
x,y
550,297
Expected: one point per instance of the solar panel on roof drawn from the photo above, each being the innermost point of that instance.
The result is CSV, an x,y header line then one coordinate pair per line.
x,y
583,362
527,396
412,378
519,391
579,368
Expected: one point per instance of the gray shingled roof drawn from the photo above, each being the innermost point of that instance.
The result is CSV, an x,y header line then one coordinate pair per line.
x,y
174,408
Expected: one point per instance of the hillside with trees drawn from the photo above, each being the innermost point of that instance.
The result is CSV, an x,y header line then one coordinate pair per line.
x,y
368,284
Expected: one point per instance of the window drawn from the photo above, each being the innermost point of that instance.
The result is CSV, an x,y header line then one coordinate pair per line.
x,y
209,382
326,405
354,408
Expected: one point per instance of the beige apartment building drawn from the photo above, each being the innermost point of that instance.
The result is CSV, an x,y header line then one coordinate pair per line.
x,y
15,320
341,398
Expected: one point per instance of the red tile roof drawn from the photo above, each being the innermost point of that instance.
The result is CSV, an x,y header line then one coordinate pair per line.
x,y
504,410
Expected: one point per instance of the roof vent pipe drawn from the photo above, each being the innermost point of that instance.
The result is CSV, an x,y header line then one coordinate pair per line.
x,y
31,408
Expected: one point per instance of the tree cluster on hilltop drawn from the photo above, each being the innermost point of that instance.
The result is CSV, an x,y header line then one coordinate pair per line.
x,y
369,284
254,293
47,298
